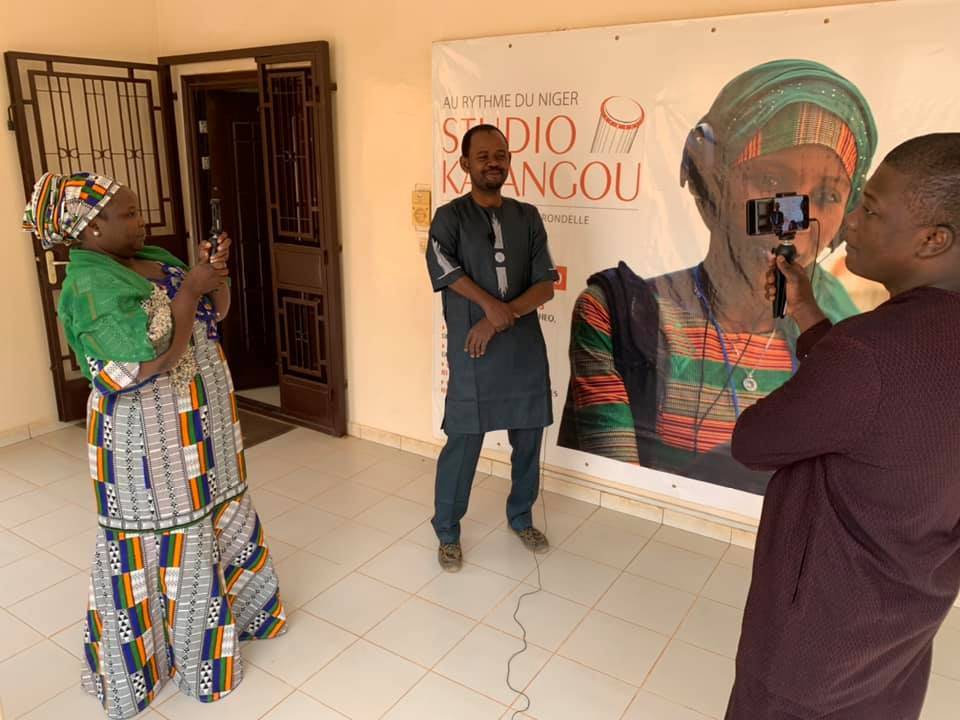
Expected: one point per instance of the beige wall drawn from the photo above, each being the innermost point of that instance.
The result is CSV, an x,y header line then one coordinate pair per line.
x,y
125,31
381,61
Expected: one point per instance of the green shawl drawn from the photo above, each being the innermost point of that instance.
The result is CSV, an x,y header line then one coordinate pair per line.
x,y
100,307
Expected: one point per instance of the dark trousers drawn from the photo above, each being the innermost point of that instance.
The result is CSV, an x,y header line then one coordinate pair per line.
x,y
458,465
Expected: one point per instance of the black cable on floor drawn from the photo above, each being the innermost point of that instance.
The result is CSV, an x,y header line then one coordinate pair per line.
x,y
539,588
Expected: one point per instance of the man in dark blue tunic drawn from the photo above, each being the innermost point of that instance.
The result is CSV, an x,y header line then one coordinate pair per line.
x,y
488,256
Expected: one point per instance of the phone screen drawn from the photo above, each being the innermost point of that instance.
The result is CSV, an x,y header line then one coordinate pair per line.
x,y
786,213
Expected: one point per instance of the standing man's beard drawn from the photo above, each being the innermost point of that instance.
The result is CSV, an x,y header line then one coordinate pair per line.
x,y
484,183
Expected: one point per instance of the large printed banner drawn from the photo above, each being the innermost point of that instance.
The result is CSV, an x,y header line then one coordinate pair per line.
x,y
662,158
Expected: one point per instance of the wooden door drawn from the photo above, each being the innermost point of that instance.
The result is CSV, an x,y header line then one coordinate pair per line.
x,y
295,104
112,118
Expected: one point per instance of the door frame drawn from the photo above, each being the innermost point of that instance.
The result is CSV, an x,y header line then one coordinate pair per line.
x,y
324,87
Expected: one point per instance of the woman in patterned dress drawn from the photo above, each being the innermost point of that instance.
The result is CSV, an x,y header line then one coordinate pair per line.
x,y
181,572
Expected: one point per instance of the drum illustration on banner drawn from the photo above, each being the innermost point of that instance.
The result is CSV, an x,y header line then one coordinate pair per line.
x,y
617,128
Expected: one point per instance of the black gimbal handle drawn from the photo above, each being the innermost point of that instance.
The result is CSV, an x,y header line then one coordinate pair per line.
x,y
788,251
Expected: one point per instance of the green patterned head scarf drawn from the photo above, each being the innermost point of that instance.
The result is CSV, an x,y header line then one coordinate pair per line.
x,y
63,205
786,103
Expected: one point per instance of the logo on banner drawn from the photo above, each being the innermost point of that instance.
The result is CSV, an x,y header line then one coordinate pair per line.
x,y
617,128
565,153
561,284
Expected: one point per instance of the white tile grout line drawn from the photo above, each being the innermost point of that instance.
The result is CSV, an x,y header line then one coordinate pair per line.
x,y
42,703
35,550
55,695
49,636
31,645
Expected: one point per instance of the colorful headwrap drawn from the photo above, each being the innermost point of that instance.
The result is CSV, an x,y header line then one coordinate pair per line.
x,y
786,103
63,205
102,303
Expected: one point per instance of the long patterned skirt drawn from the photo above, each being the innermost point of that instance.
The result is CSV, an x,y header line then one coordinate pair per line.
x,y
175,605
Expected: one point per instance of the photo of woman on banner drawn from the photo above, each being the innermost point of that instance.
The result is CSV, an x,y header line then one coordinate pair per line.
x,y
662,367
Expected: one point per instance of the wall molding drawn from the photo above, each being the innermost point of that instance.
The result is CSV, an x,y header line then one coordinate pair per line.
x,y
38,428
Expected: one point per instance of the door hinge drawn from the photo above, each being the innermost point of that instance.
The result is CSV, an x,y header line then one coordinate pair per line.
x,y
11,123
326,257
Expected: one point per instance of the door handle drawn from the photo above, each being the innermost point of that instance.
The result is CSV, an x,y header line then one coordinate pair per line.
x,y
52,266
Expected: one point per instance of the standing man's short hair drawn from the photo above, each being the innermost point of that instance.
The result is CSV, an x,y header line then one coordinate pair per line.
x,y
468,136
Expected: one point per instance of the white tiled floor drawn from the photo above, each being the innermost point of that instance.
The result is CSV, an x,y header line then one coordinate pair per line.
x,y
636,622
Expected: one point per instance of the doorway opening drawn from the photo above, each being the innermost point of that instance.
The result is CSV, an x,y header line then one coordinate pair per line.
x,y
222,117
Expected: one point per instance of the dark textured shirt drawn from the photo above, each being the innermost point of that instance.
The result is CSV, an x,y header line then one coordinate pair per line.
x,y
504,251
858,551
